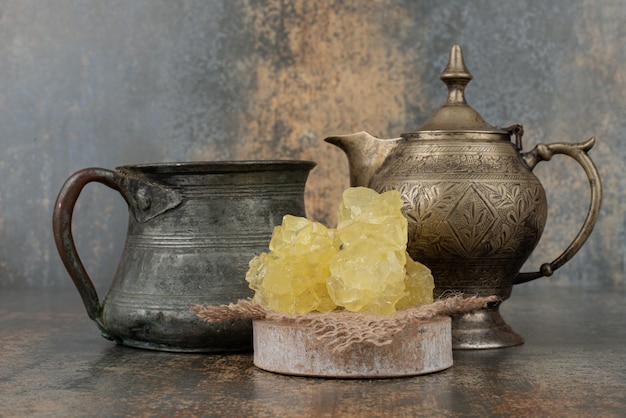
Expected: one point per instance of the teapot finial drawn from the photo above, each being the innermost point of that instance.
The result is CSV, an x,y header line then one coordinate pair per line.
x,y
456,76
455,115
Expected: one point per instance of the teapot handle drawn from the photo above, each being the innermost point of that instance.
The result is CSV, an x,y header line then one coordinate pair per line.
x,y
578,152
62,229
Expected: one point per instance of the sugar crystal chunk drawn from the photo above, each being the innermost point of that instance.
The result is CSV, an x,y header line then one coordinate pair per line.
x,y
291,278
419,285
366,277
361,266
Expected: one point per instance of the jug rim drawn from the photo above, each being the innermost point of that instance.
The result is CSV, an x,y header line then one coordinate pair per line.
x,y
225,166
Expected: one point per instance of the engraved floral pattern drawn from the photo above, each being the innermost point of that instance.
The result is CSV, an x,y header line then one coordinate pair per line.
x,y
473,219
484,219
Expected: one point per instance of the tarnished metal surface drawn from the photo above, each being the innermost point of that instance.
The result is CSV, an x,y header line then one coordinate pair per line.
x,y
475,210
192,230
572,364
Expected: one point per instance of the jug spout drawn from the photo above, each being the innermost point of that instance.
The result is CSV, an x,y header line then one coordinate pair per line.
x,y
366,154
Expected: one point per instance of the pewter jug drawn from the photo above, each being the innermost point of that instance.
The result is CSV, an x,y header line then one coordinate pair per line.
x,y
475,209
192,230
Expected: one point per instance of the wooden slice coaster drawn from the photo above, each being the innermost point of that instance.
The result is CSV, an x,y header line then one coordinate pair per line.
x,y
288,348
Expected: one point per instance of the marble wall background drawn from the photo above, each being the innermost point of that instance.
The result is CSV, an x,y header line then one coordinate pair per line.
x,y
112,82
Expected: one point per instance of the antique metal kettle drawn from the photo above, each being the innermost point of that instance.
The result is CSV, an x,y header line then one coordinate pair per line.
x,y
475,209
192,229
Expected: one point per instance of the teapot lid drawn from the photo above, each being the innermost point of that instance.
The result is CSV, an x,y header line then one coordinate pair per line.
x,y
455,115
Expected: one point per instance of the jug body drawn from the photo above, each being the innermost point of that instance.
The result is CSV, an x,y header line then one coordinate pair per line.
x,y
192,230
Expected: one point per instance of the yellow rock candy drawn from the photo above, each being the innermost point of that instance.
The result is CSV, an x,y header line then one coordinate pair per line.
x,y
292,277
361,266
367,277
418,283
367,214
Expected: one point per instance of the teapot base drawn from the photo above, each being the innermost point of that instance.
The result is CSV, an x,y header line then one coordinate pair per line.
x,y
483,329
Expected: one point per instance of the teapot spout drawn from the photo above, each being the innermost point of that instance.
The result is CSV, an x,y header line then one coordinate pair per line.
x,y
366,154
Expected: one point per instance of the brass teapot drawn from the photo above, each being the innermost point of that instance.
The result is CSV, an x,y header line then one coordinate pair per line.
x,y
474,208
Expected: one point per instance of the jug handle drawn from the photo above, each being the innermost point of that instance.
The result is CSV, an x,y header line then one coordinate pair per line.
x,y
62,229
578,152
